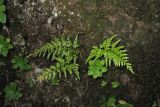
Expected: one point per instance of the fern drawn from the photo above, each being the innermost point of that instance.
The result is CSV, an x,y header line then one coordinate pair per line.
x,y
64,53
108,52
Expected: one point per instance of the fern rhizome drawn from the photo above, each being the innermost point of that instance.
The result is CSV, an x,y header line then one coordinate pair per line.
x,y
100,58
64,53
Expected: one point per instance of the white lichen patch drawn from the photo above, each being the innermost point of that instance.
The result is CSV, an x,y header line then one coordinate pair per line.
x,y
42,1
49,21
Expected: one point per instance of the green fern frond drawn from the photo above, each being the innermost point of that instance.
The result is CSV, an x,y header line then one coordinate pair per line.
x,y
107,43
64,52
55,47
49,74
55,72
75,43
110,52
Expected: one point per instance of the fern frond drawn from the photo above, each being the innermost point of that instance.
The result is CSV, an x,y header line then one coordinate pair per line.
x,y
49,74
75,43
65,54
110,52
95,53
116,43
55,47
44,50
107,43
55,72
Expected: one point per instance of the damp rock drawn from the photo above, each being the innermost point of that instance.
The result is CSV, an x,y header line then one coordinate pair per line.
x,y
2,63
124,79
42,1
25,105
19,40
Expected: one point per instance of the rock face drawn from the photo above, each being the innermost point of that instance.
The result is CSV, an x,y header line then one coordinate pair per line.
x,y
34,22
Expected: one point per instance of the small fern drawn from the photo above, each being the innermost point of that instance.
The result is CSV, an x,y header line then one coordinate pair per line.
x,y
64,53
108,52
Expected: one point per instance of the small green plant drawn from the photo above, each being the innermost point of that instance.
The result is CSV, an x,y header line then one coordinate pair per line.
x,y
97,68
12,92
154,104
112,103
104,83
115,84
5,45
64,53
100,58
2,10
21,63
